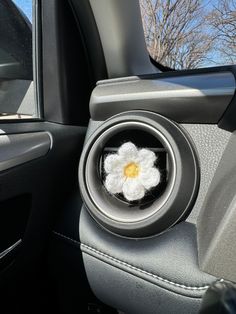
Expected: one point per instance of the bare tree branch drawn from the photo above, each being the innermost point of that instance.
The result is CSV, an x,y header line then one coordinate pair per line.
x,y
223,21
174,31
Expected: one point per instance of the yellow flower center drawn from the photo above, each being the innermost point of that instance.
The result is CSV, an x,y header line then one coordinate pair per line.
x,y
131,170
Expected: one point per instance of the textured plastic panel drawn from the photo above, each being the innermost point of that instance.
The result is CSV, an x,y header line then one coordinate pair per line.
x,y
197,98
210,142
217,221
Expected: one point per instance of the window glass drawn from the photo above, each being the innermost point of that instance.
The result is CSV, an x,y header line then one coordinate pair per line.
x,y
25,6
16,65
188,34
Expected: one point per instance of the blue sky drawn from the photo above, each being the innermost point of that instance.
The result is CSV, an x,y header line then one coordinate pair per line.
x,y
25,6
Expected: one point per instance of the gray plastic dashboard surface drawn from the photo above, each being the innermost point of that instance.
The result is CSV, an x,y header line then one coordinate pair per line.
x,y
190,98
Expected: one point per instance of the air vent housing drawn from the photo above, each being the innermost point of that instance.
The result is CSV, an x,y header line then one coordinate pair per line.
x,y
163,205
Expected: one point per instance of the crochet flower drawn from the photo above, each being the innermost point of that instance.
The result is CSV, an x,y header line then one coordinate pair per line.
x,y
131,171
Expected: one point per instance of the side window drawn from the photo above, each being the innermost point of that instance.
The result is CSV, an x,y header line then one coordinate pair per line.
x,y
16,65
188,34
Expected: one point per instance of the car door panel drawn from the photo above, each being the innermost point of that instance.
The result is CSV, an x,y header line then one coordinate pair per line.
x,y
32,193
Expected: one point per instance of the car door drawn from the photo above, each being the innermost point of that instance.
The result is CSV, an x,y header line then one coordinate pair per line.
x,y
155,244
41,138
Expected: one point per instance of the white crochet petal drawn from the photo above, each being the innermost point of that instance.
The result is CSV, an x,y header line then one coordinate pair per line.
x,y
113,164
133,190
146,158
150,177
114,183
128,151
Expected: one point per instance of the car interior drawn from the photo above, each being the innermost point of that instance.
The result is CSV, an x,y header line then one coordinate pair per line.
x,y
117,172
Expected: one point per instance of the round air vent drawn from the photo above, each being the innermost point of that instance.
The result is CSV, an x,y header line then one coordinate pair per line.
x,y
164,199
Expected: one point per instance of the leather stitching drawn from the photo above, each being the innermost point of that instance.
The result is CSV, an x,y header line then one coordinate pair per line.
x,y
157,277
144,271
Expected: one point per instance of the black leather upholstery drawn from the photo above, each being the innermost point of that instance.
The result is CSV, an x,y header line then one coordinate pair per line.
x,y
158,274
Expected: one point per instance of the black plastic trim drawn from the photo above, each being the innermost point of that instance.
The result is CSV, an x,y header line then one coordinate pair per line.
x,y
67,84
228,119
